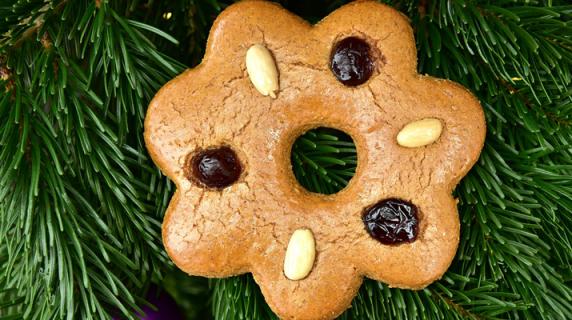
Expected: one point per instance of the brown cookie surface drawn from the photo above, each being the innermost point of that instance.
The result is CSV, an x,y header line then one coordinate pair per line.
x,y
246,225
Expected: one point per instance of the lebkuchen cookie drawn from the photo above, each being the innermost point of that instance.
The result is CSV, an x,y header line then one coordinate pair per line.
x,y
223,132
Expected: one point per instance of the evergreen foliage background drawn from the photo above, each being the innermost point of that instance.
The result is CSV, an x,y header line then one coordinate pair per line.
x,y
81,204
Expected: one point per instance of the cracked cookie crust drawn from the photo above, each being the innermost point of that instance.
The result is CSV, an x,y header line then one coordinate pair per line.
x,y
246,223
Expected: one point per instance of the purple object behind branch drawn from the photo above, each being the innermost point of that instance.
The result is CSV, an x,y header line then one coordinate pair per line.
x,y
166,307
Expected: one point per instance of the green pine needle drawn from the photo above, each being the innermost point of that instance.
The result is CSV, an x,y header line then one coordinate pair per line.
x,y
81,204
324,160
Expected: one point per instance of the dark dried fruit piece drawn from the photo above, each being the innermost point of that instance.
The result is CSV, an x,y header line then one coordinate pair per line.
x,y
351,61
216,168
392,221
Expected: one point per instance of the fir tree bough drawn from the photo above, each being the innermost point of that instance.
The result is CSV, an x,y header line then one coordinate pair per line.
x,y
81,204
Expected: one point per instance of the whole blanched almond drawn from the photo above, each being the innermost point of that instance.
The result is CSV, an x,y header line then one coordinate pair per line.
x,y
300,255
420,133
262,70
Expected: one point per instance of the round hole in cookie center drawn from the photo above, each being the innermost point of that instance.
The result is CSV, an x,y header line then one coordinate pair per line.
x,y
324,160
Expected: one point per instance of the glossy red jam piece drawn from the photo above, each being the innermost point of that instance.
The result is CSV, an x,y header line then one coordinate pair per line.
x,y
392,221
216,168
351,61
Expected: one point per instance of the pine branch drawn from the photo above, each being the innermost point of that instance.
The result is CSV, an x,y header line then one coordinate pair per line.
x,y
324,160
81,204
80,229
499,188
239,298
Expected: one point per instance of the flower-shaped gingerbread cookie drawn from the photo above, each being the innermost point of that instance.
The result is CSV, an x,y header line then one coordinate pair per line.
x,y
223,132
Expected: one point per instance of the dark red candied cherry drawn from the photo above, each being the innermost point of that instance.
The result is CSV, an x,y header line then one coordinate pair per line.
x,y
216,168
392,221
351,61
